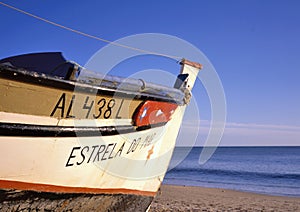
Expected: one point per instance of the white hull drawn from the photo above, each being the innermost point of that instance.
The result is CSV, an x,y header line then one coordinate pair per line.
x,y
128,163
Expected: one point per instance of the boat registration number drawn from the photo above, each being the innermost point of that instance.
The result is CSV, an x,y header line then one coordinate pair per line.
x,y
91,107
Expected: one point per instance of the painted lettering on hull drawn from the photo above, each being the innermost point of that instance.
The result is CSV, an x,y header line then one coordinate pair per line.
x,y
96,153
87,107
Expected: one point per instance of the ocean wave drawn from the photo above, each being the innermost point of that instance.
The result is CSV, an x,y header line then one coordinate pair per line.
x,y
244,174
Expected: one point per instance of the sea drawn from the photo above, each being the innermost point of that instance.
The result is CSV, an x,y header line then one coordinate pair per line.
x,y
265,170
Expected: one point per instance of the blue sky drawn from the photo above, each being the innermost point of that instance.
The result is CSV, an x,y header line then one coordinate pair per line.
x,y
253,45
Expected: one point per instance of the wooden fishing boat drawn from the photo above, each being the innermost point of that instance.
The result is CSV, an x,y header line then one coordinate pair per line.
x,y
80,143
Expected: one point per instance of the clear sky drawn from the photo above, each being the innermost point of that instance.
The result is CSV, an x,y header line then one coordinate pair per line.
x,y
254,46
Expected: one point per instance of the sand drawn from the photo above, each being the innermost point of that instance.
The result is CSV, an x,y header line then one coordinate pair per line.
x,y
187,198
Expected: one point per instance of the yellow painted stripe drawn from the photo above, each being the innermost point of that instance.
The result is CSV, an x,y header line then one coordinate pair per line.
x,y
26,98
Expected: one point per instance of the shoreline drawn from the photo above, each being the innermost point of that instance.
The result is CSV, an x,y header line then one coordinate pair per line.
x,y
194,198
229,189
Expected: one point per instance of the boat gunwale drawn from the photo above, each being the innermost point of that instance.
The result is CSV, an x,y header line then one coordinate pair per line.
x,y
40,79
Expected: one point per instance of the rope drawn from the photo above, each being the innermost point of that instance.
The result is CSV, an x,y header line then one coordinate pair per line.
x,y
88,35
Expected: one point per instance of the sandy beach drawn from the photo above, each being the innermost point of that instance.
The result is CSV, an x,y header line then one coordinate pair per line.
x,y
187,198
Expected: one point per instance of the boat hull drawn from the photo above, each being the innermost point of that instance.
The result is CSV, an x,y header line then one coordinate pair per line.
x,y
96,168
133,161
68,145
98,172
